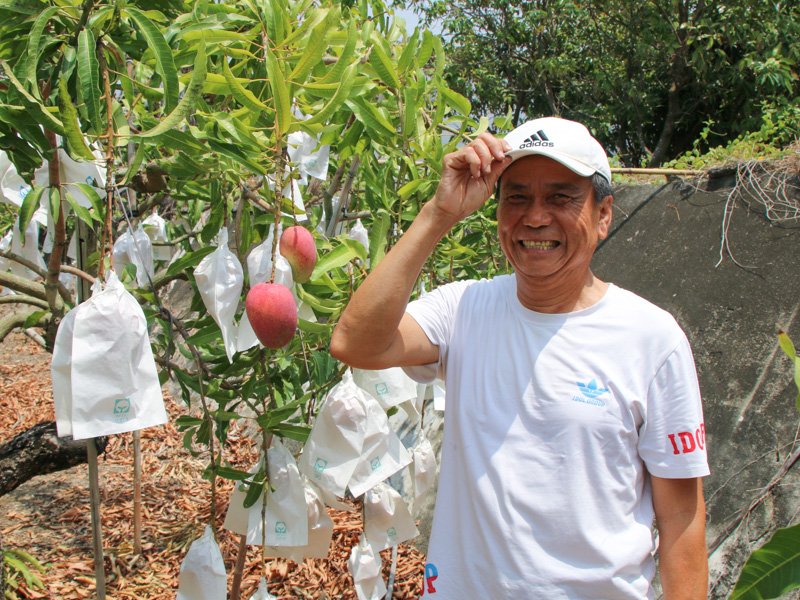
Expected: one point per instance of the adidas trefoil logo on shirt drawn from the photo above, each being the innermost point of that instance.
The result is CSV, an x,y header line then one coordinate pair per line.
x,y
538,139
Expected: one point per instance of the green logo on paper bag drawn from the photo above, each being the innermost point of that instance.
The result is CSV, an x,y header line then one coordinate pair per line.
x,y
280,527
122,409
381,388
391,532
319,467
375,463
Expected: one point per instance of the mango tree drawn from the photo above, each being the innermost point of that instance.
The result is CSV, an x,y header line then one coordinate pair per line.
x,y
196,109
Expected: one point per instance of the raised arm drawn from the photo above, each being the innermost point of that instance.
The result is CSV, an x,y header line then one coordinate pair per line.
x,y
374,332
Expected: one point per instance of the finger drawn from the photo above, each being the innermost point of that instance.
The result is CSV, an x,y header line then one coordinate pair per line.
x,y
498,147
485,155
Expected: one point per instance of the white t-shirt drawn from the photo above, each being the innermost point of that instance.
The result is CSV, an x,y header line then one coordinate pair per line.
x,y
552,423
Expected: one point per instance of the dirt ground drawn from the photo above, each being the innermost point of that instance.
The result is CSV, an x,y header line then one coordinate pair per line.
x,y
49,516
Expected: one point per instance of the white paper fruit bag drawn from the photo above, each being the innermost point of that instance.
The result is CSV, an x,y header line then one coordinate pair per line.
x,y
387,520
114,381
203,571
389,387
320,530
286,512
423,469
364,565
382,454
219,278
333,449
61,373
156,228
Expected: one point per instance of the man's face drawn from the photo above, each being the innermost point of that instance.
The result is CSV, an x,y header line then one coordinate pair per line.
x,y
547,220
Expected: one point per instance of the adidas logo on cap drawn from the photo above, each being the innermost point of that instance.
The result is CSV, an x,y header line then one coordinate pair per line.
x,y
537,140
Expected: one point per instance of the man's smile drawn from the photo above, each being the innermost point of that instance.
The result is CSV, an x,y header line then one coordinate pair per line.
x,y
536,245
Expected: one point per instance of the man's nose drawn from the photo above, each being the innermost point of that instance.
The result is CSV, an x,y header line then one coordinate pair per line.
x,y
538,214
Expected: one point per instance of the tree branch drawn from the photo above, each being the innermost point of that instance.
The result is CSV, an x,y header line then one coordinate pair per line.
x,y
21,299
62,289
17,319
22,285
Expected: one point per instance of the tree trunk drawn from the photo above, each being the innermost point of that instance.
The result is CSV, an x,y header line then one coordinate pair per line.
x,y
38,451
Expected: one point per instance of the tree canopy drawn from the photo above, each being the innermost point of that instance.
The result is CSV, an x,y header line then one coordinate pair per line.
x,y
649,78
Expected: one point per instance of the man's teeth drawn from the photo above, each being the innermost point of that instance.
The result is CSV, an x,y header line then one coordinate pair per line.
x,y
548,245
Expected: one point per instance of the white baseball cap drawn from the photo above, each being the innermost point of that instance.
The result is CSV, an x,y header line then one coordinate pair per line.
x,y
567,142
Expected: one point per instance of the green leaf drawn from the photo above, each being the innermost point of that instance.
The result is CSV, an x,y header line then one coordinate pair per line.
x,y
72,131
192,259
317,42
280,95
36,109
325,367
407,55
454,99
254,492
34,40
244,96
94,198
346,57
383,66
81,211
426,48
293,432
29,206
55,203
230,473
411,187
33,319
313,327
338,257
370,117
190,97
184,421
165,64
772,570
786,345
342,93
89,77
381,223
235,152
206,335
133,168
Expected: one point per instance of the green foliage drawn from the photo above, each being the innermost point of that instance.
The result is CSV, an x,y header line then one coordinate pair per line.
x,y
780,127
644,76
22,573
772,570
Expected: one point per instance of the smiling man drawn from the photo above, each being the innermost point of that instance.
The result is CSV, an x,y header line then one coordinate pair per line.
x,y
573,415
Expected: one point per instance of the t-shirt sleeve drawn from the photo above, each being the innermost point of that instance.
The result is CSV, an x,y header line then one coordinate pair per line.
x,y
672,440
435,313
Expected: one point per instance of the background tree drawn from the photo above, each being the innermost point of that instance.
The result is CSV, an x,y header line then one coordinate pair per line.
x,y
649,78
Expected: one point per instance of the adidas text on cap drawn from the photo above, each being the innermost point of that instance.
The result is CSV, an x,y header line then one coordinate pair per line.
x,y
567,142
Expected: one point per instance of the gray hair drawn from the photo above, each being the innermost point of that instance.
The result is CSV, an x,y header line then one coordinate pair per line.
x,y
602,187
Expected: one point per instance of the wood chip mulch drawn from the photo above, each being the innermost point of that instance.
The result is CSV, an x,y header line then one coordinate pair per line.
x,y
50,515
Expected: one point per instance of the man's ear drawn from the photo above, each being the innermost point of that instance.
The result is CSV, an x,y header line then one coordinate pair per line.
x,y
605,216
